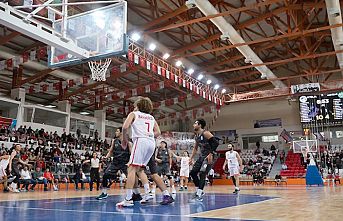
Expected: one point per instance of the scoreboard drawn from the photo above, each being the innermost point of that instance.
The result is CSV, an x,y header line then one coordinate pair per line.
x,y
321,110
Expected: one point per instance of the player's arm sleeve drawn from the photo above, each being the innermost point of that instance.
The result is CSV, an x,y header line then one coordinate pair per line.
x,y
213,143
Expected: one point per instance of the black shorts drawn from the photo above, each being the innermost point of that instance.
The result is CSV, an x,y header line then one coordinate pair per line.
x,y
151,166
113,169
163,169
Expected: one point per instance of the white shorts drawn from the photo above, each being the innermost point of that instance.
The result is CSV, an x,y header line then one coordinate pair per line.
x,y
142,151
184,172
234,170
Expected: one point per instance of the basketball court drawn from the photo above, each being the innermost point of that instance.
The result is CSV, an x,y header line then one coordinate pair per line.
x,y
265,72
253,203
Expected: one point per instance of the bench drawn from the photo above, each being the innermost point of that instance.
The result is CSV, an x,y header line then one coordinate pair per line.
x,y
246,181
273,181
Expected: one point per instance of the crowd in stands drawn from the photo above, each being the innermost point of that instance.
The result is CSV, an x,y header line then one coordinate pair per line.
x,y
59,158
27,135
258,163
50,154
329,162
55,158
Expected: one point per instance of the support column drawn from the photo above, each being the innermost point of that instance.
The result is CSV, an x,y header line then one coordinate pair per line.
x,y
100,119
65,106
19,95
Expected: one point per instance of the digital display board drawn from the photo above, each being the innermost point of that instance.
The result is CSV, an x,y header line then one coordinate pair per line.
x,y
321,110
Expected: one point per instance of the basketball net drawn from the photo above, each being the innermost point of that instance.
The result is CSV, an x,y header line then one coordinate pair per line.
x,y
99,69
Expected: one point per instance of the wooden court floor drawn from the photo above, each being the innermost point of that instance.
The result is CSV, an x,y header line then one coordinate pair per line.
x,y
253,203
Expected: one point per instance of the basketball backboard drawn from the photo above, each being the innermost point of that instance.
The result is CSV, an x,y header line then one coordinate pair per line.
x,y
308,146
102,32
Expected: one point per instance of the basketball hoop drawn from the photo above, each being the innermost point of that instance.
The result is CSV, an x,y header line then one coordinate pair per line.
x,y
99,69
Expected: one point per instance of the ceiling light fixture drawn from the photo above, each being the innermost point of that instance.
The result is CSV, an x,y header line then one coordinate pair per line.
x,y
152,47
178,63
135,36
190,71
166,56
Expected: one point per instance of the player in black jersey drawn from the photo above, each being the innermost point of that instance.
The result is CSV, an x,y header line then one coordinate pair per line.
x,y
207,144
163,157
118,166
13,168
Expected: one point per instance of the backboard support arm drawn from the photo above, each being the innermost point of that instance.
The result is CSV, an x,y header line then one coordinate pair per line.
x,y
15,20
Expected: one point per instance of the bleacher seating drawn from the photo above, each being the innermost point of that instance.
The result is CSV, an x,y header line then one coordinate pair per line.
x,y
251,161
294,166
218,165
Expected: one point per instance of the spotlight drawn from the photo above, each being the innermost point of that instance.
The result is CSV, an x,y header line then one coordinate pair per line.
x,y
152,47
200,76
223,91
135,36
208,81
216,87
190,71
50,106
166,56
178,63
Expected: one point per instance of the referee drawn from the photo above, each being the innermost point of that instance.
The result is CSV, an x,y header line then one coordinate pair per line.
x,y
94,173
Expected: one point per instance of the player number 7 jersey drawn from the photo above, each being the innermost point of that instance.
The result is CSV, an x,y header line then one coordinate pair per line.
x,y
143,125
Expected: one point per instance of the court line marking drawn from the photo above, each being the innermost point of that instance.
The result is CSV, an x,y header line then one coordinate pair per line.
x,y
203,214
95,211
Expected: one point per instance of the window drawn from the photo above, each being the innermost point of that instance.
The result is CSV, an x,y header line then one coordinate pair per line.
x,y
272,138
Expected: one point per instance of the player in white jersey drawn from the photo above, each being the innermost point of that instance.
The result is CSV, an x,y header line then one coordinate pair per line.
x,y
3,175
144,129
234,163
184,169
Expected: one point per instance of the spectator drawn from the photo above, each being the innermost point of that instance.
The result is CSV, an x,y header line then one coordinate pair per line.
x,y
78,133
37,175
337,179
211,176
282,157
50,178
80,177
278,179
26,179
284,166
265,152
96,135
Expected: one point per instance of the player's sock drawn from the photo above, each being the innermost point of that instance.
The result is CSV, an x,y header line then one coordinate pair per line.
x,y
166,193
136,191
129,193
199,192
147,188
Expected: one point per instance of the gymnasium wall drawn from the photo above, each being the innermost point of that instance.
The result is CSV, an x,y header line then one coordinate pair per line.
x,y
241,116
